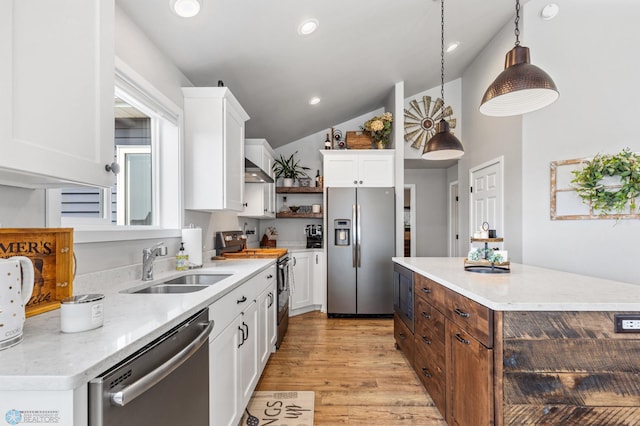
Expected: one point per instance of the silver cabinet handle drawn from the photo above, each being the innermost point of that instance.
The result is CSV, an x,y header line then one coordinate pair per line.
x,y
140,386
462,313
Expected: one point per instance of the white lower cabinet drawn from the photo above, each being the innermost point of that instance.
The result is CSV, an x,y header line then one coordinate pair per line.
x,y
308,284
236,345
248,353
267,312
224,380
301,292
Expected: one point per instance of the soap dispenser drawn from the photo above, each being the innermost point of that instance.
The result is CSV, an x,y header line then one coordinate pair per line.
x,y
181,259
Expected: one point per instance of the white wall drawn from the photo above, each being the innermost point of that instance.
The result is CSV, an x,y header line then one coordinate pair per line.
x,y
431,210
586,49
487,138
594,65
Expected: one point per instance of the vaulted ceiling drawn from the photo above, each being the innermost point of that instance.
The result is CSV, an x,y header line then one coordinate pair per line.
x,y
360,50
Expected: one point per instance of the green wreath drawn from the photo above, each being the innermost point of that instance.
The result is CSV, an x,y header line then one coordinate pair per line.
x,y
588,181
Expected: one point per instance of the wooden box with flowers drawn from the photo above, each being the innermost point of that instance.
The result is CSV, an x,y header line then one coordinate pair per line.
x,y
375,131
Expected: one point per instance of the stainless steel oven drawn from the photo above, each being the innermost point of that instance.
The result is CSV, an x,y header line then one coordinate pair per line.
x,y
283,297
166,383
403,294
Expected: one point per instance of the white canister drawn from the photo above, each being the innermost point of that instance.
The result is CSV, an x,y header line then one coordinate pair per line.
x,y
315,208
81,313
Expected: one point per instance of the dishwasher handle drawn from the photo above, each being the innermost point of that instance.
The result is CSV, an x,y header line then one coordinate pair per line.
x,y
140,386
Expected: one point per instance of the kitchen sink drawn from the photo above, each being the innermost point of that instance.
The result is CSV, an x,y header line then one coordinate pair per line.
x,y
183,284
171,289
197,279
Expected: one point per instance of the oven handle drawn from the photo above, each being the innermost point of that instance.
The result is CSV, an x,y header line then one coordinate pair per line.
x,y
140,386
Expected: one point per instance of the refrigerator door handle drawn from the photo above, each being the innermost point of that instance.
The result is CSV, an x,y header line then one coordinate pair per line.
x,y
354,244
358,235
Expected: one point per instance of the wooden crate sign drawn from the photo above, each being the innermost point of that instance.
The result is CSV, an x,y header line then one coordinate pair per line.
x,y
51,251
359,140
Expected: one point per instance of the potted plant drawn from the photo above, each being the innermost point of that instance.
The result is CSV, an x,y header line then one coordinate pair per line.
x,y
379,128
289,168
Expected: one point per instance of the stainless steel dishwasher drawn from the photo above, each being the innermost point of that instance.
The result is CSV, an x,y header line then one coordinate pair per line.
x,y
166,383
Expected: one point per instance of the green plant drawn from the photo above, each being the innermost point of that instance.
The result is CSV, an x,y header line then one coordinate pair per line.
x,y
379,127
289,167
589,184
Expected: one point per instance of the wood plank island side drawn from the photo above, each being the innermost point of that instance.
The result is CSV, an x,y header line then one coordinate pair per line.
x,y
552,367
569,368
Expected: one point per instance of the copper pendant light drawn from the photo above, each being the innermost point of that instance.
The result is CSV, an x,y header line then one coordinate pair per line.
x,y
443,145
521,87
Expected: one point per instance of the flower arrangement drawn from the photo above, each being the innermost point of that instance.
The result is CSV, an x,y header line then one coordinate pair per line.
x,y
485,254
379,128
590,186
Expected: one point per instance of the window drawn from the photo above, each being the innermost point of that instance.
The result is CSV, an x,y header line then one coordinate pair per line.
x,y
146,194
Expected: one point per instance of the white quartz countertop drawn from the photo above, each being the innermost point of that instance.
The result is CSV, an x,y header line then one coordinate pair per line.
x,y
528,288
48,359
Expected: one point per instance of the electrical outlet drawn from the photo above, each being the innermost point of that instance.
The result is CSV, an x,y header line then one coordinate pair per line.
x,y
627,323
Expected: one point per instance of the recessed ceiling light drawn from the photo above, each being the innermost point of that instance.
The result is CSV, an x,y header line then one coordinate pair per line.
x,y
453,46
186,8
308,26
314,101
549,11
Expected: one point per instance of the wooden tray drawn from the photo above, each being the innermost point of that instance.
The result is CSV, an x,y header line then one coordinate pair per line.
x,y
51,251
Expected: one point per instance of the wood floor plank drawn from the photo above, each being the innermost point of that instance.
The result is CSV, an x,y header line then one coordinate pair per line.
x,y
353,367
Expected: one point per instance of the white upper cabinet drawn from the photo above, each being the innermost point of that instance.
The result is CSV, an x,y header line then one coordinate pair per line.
x,y
260,198
364,168
57,85
214,149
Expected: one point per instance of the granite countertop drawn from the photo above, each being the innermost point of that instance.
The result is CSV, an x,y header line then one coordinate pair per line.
x,y
528,288
48,359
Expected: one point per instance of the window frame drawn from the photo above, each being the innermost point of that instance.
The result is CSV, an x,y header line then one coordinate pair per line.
x,y
168,193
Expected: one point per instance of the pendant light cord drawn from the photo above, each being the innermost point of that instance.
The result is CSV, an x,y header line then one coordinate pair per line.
x,y
442,50
517,31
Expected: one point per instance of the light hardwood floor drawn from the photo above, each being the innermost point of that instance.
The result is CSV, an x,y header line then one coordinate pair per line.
x,y
358,376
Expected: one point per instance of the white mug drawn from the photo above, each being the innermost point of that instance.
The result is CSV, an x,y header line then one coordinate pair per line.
x,y
16,286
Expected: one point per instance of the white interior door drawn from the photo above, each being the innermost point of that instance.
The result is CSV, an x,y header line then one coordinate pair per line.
x,y
486,198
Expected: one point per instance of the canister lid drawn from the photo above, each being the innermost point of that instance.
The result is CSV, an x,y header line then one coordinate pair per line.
x,y
82,298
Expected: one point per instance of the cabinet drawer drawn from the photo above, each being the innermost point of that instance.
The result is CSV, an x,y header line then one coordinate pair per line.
x,y
429,365
430,291
475,318
224,310
404,338
429,323
266,278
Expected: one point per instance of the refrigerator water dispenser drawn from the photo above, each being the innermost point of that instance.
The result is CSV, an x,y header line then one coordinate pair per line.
x,y
342,229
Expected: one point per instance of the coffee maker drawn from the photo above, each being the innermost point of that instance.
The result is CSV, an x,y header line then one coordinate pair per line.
x,y
314,236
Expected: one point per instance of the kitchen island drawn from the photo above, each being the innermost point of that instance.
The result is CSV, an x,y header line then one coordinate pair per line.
x,y
533,346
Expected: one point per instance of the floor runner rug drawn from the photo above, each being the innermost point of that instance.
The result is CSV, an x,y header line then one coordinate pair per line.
x,y
282,408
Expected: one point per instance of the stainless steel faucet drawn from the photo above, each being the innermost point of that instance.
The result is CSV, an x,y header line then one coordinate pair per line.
x,y
148,256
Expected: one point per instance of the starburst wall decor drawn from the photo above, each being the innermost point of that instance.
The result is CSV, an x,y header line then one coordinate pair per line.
x,y
421,118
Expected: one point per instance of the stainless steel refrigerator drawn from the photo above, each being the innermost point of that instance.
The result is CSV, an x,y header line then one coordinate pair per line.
x,y
360,245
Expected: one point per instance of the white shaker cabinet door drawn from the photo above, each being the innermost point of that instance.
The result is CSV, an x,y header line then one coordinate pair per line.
x,y
340,170
363,168
301,284
376,170
57,85
214,149
224,376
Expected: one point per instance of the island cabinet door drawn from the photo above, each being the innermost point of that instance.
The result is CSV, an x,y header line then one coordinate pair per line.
x,y
470,380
